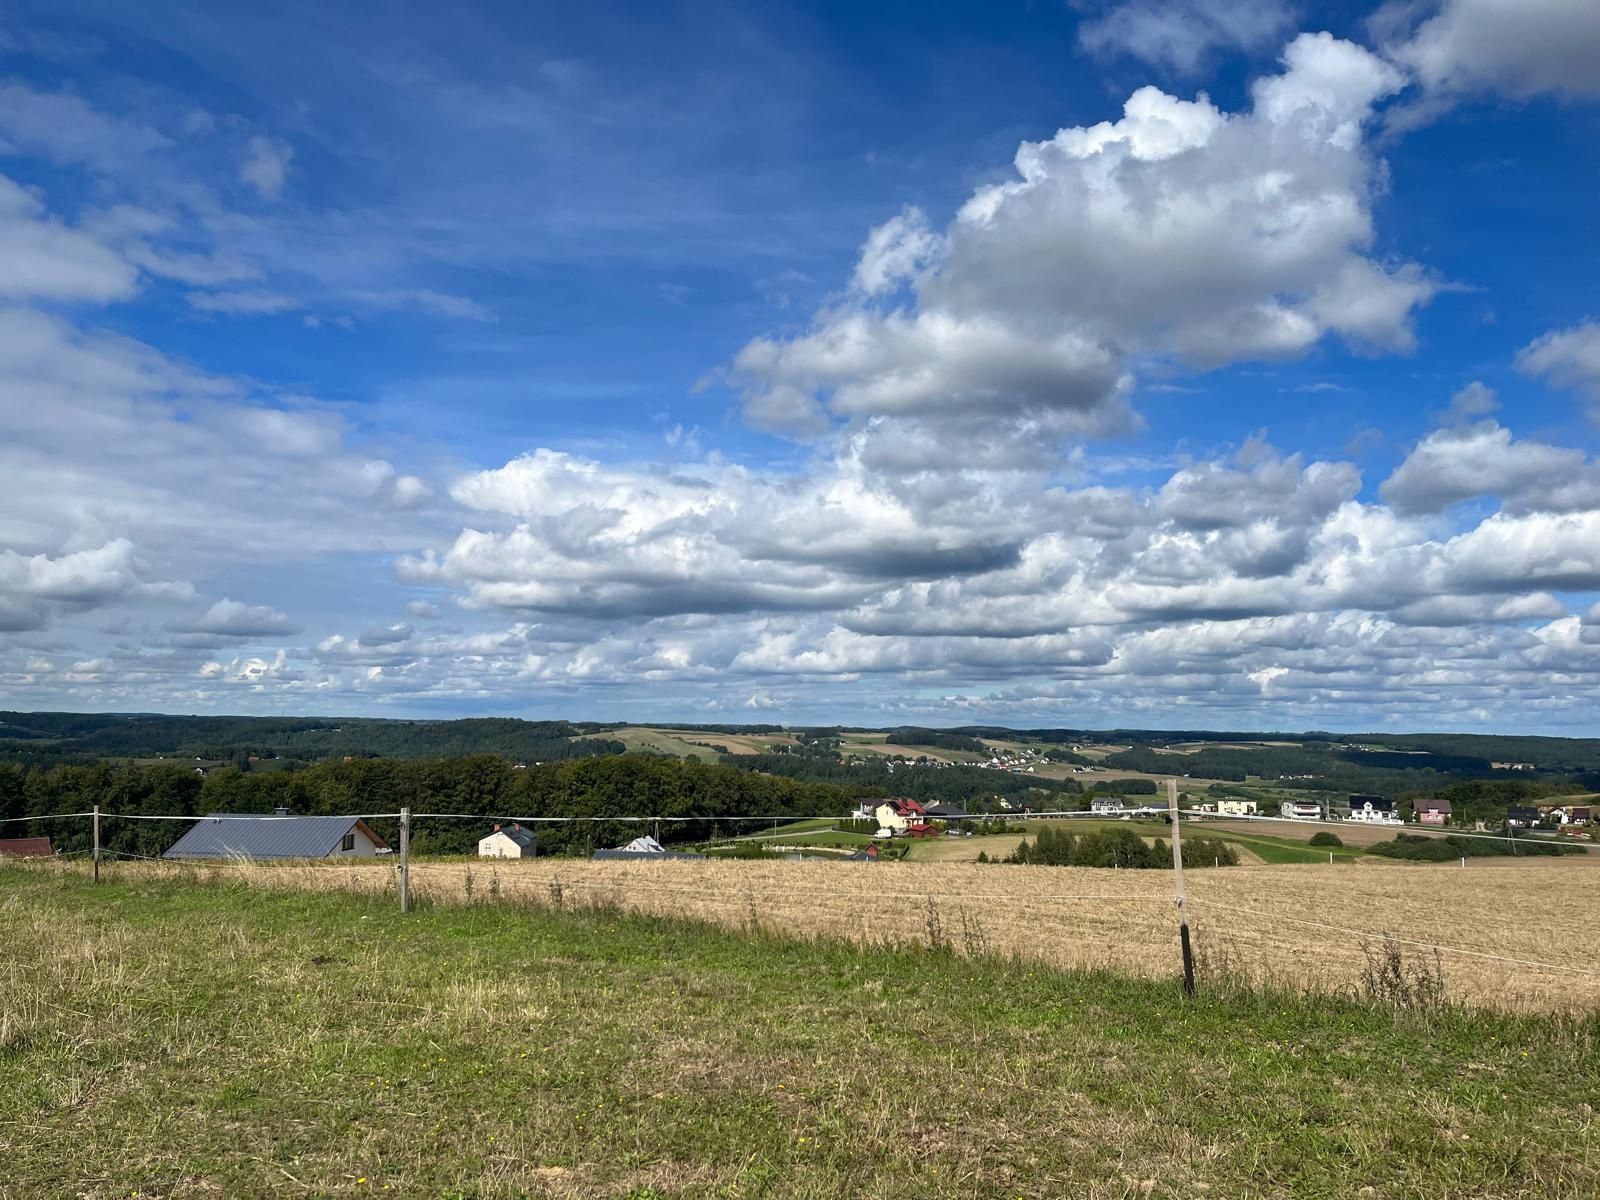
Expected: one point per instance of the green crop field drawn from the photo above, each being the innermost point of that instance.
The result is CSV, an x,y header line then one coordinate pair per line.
x,y
1266,848
169,1039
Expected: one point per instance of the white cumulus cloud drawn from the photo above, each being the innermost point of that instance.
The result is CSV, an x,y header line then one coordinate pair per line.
x,y
1179,230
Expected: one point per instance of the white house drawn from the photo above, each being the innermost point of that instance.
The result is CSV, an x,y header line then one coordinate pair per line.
x,y
1232,806
515,842
1300,810
1373,810
1106,805
643,845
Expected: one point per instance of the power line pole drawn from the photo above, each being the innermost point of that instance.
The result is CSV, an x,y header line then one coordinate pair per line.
x,y
97,843
1177,879
405,860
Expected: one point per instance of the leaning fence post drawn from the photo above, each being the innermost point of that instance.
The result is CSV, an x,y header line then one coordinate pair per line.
x,y
97,843
405,860
1177,878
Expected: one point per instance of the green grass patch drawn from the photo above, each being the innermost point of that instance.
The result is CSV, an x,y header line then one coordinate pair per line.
x,y
174,1040
1274,850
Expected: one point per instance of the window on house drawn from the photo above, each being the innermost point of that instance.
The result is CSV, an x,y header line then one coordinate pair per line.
x,y
349,842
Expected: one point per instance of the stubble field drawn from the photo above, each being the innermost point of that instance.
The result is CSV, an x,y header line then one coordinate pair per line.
x,y
1516,936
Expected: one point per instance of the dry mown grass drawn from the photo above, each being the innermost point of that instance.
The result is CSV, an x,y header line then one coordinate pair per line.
x,y
1301,926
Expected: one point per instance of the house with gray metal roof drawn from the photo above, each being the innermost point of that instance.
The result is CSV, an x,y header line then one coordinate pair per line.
x,y
511,841
242,835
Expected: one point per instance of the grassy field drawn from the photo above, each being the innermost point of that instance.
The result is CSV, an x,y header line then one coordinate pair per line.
x,y
733,743
1257,847
176,1040
894,750
692,743
659,741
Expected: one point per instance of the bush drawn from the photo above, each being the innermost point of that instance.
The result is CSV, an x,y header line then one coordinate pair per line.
x,y
1118,848
743,850
1415,848
1325,838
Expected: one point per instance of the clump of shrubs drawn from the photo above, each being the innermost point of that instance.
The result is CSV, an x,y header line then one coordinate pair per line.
x,y
1324,838
1417,848
743,850
1118,848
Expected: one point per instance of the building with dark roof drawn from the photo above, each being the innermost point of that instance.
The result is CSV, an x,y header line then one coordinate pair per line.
x,y
647,849
229,835
948,812
38,847
508,841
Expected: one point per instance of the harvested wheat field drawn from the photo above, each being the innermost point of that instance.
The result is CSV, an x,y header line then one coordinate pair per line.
x,y
1298,925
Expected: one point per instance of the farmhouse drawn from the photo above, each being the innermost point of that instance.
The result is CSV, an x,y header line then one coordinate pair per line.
x,y
229,835
1572,814
1432,811
896,817
37,847
1107,806
1521,816
515,842
1232,806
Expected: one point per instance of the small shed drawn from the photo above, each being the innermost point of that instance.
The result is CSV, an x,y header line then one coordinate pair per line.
x,y
230,835
511,841
34,847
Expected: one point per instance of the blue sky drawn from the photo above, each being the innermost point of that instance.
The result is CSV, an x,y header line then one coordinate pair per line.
x,y
1073,363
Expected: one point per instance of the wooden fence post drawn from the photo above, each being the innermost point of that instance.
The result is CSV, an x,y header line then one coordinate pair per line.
x,y
405,860
1177,878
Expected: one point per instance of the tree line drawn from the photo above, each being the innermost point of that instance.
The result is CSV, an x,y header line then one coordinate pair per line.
x,y
486,786
976,788
935,739
85,736
1118,848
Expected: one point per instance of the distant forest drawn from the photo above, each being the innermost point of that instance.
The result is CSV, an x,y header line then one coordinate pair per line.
x,y
78,737
53,762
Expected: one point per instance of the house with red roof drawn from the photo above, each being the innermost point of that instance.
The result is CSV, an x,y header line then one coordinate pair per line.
x,y
897,818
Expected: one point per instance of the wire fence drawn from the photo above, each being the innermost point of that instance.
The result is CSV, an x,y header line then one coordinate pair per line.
x,y
1123,920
